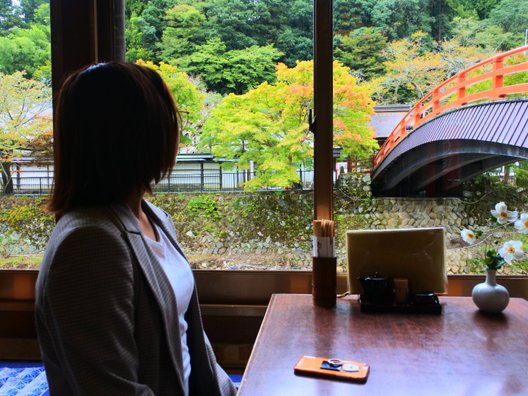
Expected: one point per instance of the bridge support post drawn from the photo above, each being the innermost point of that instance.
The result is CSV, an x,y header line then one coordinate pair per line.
x,y
462,89
498,78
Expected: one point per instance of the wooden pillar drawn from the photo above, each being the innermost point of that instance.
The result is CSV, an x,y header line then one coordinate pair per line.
x,y
85,32
110,30
323,103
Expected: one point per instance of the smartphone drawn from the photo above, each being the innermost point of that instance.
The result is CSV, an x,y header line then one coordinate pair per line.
x,y
332,368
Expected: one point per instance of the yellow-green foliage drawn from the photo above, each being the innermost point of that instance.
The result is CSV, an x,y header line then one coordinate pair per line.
x,y
24,221
268,125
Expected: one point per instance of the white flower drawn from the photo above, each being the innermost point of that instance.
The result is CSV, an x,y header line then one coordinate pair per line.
x,y
511,250
502,214
468,236
522,224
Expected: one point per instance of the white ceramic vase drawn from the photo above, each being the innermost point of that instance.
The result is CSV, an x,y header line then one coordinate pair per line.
x,y
490,297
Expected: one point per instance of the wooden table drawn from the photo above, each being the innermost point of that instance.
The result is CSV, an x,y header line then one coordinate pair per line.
x,y
461,352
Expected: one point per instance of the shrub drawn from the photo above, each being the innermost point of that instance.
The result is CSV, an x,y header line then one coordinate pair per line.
x,y
203,206
24,225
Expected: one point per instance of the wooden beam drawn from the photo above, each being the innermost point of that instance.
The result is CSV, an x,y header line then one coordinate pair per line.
x,y
323,106
110,30
85,32
72,37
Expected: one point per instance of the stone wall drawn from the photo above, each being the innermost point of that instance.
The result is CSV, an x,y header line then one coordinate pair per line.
x,y
278,236
448,213
357,209
272,230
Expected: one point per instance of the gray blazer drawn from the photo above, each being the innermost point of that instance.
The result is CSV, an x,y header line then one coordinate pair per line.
x,y
105,312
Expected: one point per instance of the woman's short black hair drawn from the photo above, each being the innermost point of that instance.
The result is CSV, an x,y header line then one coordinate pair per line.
x,y
116,130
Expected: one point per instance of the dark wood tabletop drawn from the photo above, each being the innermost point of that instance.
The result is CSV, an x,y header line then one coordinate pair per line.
x,y
460,352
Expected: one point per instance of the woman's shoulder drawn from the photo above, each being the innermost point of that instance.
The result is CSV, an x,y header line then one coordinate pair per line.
x,y
85,233
85,246
160,213
83,219
95,226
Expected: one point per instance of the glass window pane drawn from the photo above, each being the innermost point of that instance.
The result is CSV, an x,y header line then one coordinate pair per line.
x,y
25,130
241,72
400,63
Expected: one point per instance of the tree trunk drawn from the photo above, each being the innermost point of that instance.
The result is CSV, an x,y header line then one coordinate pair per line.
x,y
7,180
506,176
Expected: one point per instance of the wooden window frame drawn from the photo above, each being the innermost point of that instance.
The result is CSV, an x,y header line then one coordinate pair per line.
x,y
88,31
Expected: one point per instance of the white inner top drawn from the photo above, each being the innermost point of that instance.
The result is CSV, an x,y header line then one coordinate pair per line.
x,y
180,276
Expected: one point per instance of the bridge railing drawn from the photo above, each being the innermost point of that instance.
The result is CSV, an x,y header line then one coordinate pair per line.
x,y
454,92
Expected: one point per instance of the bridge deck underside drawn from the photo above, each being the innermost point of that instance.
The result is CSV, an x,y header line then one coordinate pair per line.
x,y
436,158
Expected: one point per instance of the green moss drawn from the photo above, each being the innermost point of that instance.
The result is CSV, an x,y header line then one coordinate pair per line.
x,y
203,206
21,262
278,223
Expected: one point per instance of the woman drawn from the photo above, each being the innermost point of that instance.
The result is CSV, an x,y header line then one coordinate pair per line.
x,y
117,311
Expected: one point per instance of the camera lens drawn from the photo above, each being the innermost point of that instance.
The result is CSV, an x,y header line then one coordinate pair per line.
x,y
335,362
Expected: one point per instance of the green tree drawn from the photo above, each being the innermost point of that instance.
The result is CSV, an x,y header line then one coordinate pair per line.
x,y
134,7
492,38
183,33
139,36
29,11
24,120
473,8
442,13
154,15
352,14
413,69
144,25
363,52
268,126
521,173
401,18
9,16
294,46
238,23
512,17
29,48
291,29
233,71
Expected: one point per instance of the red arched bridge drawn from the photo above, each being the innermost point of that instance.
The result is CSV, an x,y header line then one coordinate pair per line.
x,y
473,122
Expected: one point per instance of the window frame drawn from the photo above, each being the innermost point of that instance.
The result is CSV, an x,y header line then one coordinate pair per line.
x,y
88,31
